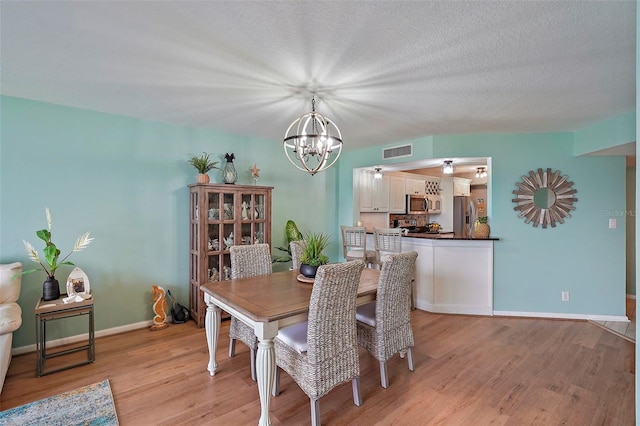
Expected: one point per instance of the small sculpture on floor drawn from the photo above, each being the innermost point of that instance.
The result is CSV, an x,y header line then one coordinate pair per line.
x,y
159,308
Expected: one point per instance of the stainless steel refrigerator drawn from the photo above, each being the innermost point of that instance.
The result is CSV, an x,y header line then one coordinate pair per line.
x,y
463,208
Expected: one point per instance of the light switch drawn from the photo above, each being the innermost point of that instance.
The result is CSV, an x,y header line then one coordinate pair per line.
x,y
612,223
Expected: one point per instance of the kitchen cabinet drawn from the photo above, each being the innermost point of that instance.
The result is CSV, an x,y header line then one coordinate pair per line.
x,y
461,187
397,199
221,216
374,193
415,186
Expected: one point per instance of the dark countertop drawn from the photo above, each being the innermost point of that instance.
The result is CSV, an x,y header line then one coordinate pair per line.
x,y
447,236
443,236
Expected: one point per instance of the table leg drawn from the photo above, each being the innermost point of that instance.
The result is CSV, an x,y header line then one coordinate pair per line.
x,y
265,367
212,330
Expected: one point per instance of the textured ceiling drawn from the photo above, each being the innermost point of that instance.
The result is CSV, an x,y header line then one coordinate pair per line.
x,y
384,71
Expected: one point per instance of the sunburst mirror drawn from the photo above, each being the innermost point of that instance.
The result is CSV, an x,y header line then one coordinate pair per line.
x,y
544,198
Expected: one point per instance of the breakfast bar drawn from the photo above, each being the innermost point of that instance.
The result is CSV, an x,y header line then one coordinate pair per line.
x,y
454,273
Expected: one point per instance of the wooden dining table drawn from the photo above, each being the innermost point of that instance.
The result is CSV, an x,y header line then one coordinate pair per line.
x,y
266,303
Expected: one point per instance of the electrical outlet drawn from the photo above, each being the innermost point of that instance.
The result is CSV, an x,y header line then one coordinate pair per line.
x,y
612,223
565,296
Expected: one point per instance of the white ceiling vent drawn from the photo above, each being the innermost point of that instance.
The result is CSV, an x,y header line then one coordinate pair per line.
x,y
398,151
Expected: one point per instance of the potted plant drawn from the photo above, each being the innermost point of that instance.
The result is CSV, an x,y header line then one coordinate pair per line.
x,y
313,253
481,227
203,164
52,261
293,234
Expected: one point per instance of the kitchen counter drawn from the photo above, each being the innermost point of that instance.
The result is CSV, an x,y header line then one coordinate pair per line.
x,y
443,236
454,273
446,236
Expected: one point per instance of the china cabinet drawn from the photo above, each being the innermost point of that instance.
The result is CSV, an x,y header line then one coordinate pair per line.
x,y
221,216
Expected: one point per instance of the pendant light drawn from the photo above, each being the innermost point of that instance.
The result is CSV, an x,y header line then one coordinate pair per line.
x,y
312,143
481,172
447,167
378,173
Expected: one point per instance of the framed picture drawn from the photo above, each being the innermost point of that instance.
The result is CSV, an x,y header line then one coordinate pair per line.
x,y
78,284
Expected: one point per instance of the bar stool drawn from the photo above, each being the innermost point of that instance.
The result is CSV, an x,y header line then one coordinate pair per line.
x,y
386,241
389,241
354,245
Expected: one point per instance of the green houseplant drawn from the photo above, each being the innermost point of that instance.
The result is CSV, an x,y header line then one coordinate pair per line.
x,y
52,261
313,253
293,234
203,164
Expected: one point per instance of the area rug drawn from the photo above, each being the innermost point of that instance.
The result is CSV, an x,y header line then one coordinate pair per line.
x,y
89,405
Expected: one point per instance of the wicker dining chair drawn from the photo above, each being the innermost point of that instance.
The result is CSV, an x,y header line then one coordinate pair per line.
x,y
354,244
247,261
296,252
322,352
384,325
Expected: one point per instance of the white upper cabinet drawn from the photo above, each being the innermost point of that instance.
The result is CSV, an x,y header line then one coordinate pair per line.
x,y
397,198
461,187
374,193
415,186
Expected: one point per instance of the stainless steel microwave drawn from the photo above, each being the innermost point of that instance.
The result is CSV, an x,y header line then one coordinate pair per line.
x,y
416,204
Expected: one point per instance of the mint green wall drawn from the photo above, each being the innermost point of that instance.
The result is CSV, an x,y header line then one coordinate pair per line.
x,y
637,252
532,266
606,134
125,180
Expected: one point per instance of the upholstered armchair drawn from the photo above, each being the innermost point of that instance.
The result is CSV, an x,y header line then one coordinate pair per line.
x,y
10,313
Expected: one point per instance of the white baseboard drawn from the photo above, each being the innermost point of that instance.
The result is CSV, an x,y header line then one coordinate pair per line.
x,y
620,318
85,336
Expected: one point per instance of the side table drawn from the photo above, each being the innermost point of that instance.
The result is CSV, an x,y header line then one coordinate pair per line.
x,y
52,310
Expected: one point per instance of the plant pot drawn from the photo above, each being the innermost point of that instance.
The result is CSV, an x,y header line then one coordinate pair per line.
x,y
308,270
203,178
50,289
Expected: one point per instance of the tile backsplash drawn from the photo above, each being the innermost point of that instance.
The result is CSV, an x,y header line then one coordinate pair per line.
x,y
421,219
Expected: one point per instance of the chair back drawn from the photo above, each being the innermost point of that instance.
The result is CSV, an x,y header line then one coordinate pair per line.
x,y
331,332
354,242
393,304
296,252
387,241
250,260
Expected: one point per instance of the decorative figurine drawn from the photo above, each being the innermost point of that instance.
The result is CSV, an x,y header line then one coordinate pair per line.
x,y
227,272
228,242
245,212
213,275
159,308
255,174
229,174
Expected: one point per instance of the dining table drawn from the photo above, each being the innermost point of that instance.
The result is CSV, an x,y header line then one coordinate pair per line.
x,y
266,303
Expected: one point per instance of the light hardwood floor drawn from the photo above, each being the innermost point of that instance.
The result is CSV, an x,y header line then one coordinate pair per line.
x,y
470,370
625,330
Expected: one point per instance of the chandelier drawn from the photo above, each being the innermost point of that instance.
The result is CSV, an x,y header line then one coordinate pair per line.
x,y
312,143
481,172
447,167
